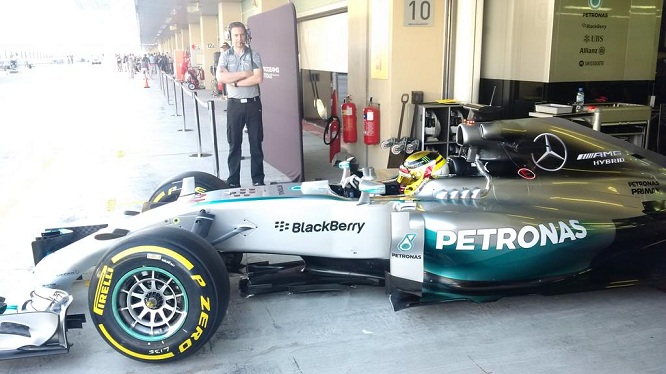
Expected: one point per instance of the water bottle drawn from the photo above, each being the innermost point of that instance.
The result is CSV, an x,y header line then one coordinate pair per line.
x,y
580,99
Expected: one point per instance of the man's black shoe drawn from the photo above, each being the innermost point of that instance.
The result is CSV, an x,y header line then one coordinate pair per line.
x,y
233,185
258,184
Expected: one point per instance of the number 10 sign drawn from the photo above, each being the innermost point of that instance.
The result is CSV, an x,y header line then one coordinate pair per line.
x,y
419,12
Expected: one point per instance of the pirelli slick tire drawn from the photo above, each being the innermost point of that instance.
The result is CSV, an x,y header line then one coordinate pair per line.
x,y
159,295
169,191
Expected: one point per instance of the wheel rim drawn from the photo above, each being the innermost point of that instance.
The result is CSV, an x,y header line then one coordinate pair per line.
x,y
150,304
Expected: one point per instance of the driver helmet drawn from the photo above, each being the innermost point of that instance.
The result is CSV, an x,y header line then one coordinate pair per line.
x,y
417,169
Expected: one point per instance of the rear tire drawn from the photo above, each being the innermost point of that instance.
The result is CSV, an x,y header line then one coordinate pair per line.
x,y
169,191
159,295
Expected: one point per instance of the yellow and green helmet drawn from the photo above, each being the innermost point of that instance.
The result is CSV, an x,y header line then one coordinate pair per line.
x,y
418,168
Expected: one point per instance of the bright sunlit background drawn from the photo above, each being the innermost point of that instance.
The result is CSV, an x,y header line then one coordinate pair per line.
x,y
45,29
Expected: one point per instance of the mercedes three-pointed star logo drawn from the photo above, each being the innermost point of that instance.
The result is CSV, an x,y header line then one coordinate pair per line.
x,y
555,155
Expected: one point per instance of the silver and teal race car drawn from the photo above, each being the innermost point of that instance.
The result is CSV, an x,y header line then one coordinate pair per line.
x,y
528,206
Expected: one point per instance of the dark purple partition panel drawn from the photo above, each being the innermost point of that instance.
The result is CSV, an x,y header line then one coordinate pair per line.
x,y
274,37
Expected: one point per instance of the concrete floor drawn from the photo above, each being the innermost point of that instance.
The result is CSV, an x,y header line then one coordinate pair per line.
x,y
91,143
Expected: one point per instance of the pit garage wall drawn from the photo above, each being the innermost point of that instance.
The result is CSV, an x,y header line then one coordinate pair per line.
x,y
543,50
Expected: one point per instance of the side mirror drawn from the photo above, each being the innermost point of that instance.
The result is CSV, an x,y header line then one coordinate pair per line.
x,y
368,187
372,187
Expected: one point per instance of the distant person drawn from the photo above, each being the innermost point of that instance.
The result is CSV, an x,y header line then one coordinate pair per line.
x,y
162,62
152,59
216,56
145,65
219,87
169,64
131,66
241,70
185,66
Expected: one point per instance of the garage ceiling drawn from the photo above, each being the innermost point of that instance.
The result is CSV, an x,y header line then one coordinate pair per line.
x,y
158,18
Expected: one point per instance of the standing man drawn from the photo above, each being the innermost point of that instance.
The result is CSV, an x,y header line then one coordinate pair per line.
x,y
218,88
241,70
221,87
145,66
152,59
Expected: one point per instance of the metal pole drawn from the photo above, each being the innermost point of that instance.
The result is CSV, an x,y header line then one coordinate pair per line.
x,y
175,100
197,120
199,153
167,92
195,100
182,101
211,115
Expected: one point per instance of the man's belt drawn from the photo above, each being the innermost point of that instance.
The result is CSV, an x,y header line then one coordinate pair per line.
x,y
243,101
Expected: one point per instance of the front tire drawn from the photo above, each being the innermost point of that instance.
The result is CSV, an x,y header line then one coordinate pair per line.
x,y
159,295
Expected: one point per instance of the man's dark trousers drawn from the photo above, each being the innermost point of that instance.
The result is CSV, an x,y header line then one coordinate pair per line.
x,y
240,115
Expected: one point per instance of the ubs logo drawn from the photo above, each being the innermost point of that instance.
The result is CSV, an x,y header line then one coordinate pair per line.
x,y
593,38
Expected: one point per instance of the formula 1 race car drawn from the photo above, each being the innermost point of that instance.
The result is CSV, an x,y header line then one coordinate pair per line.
x,y
528,206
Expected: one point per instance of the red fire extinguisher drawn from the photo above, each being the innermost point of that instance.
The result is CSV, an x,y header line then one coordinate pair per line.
x,y
371,124
349,121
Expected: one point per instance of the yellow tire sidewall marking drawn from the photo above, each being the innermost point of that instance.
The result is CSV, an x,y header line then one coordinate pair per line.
x,y
154,249
131,353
